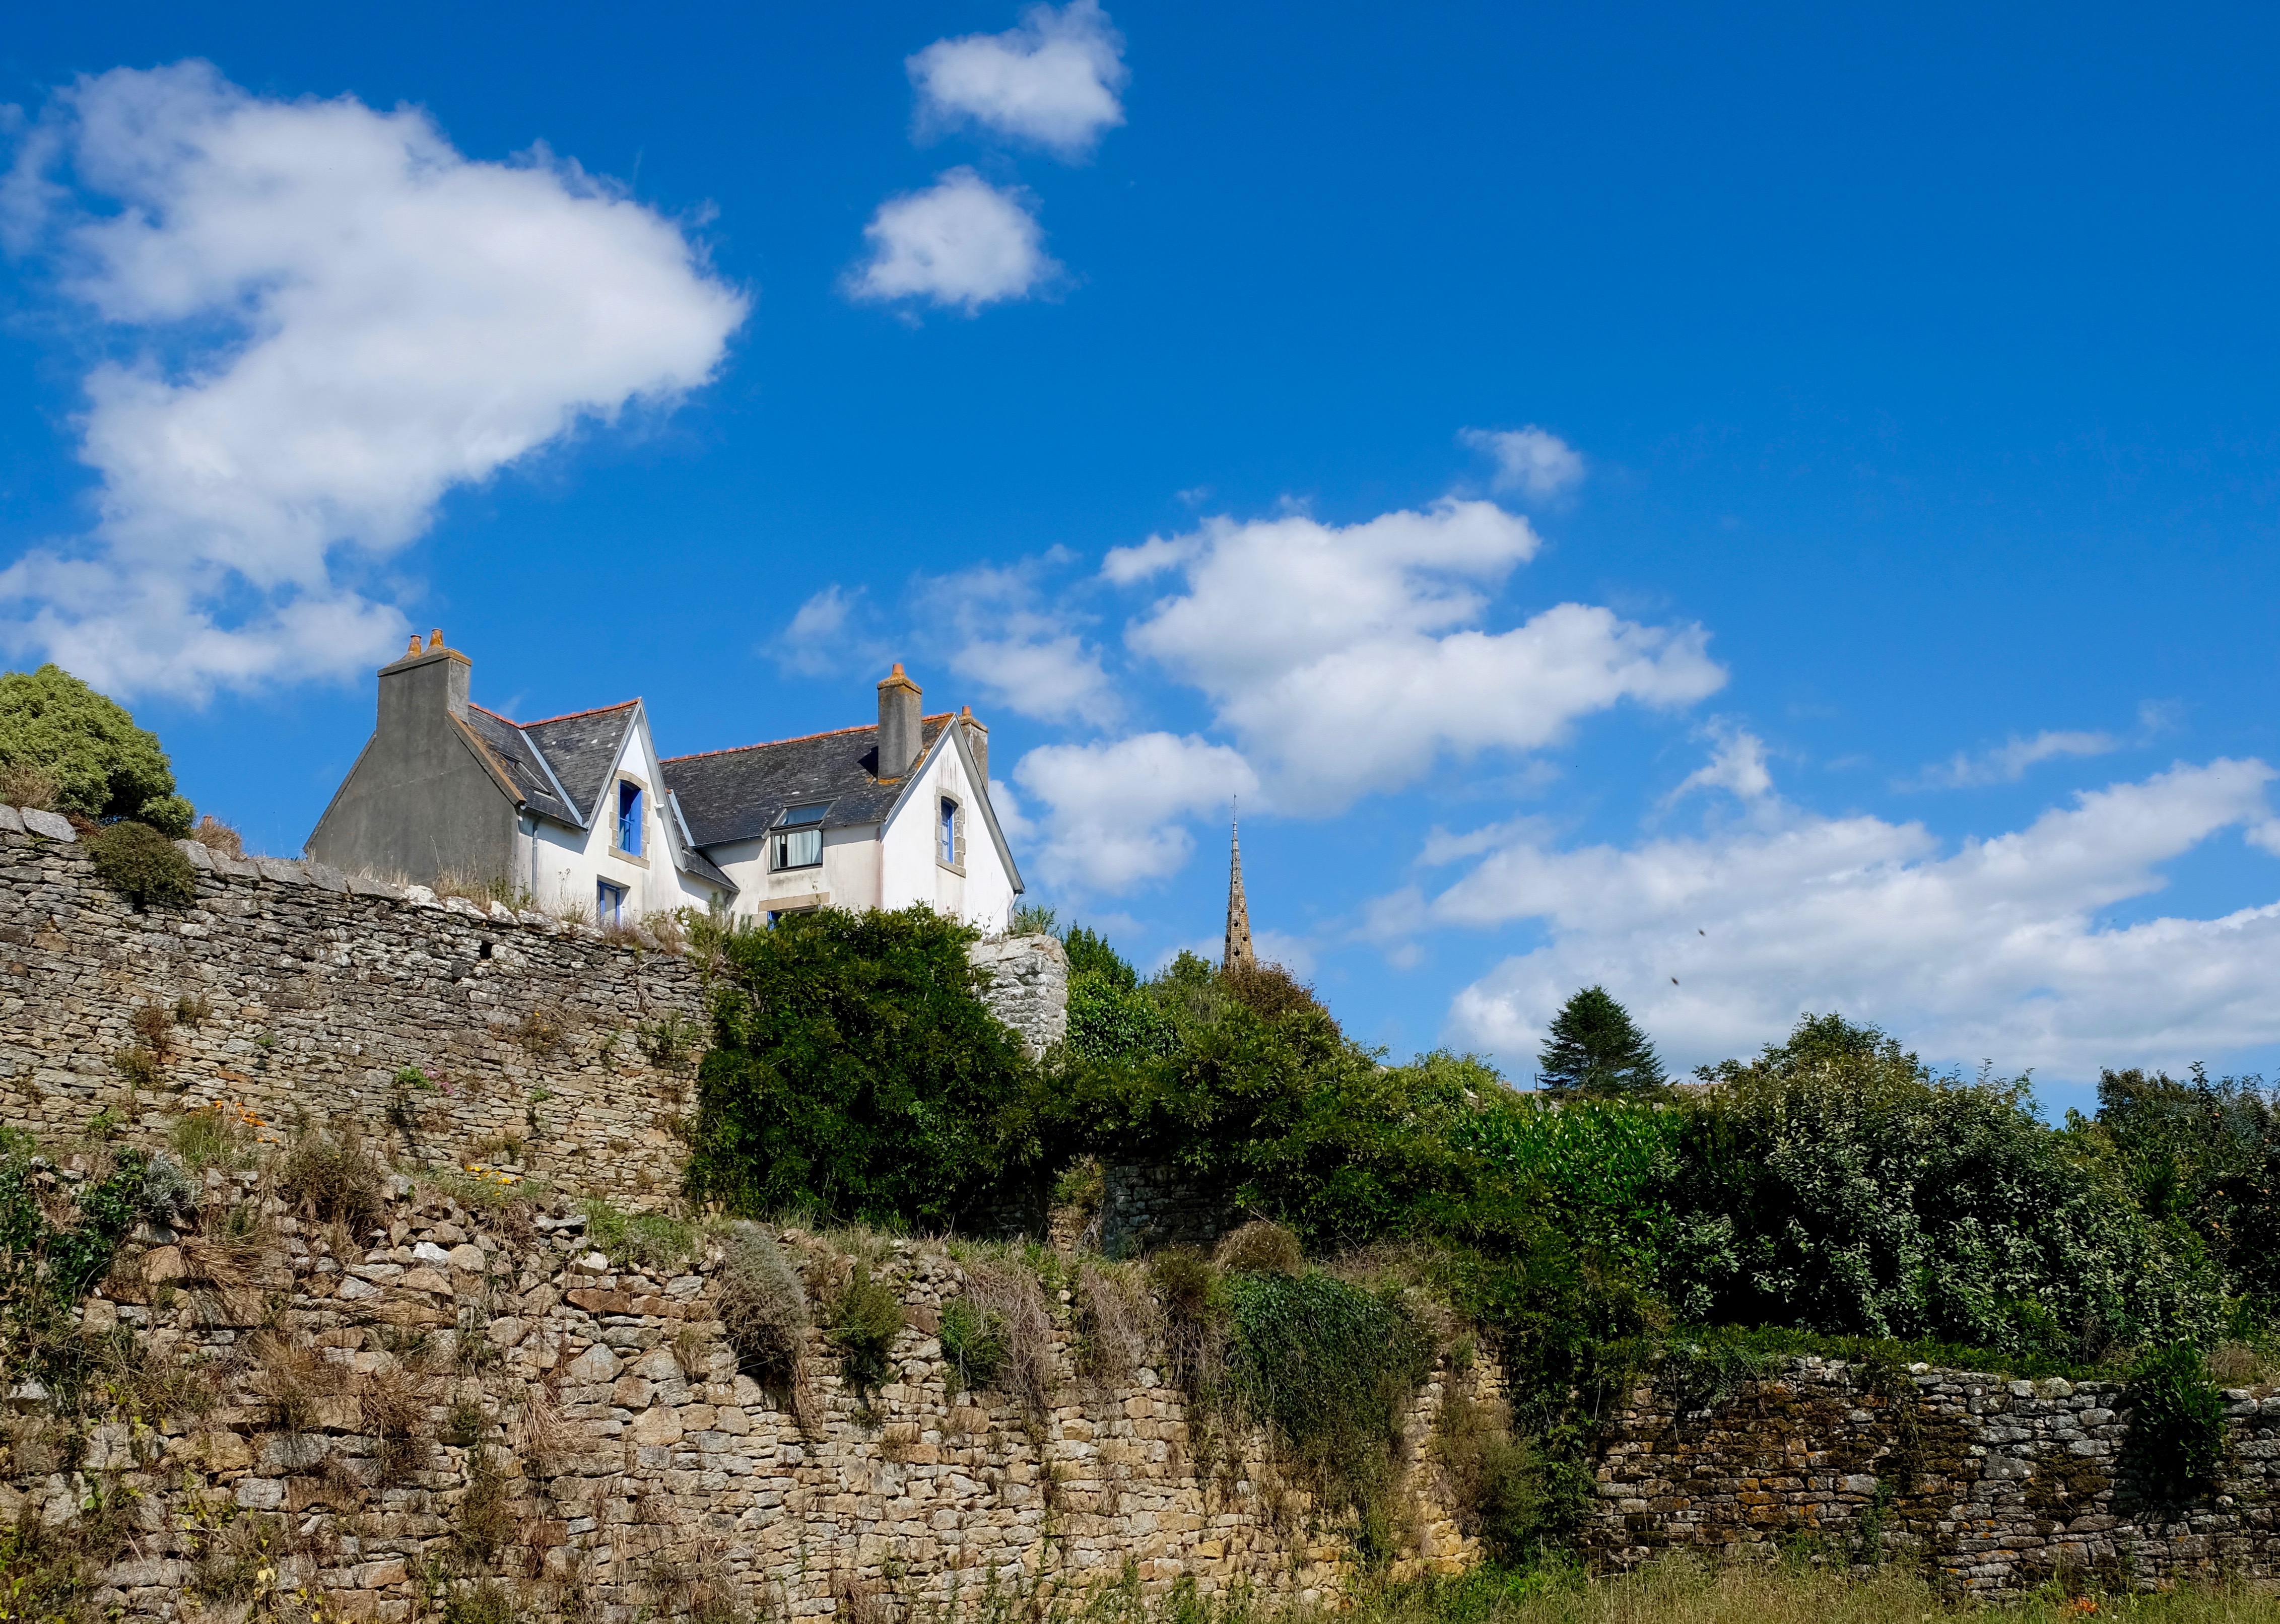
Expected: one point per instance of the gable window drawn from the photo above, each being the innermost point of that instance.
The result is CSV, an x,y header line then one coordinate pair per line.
x,y
629,817
609,903
949,833
797,842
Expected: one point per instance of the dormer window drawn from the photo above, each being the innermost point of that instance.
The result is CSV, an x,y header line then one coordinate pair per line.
x,y
797,841
629,817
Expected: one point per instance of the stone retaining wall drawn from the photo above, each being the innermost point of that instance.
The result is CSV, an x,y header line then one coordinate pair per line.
x,y
1999,1484
289,992
587,1413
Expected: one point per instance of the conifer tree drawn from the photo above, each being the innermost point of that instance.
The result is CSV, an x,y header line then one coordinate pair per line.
x,y
1597,1049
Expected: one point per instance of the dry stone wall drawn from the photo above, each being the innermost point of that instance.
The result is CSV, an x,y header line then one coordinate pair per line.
x,y
1999,1484
289,991
490,1392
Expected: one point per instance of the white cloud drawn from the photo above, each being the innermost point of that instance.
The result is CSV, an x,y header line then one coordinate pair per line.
x,y
1738,766
962,242
330,318
1116,813
1053,81
1026,653
2008,762
1347,657
817,641
1991,949
1532,461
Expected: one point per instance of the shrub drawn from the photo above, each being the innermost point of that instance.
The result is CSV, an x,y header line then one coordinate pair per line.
x,y
22,784
647,1240
865,1318
102,765
335,1177
1838,1184
1333,1371
1010,1333
1195,1316
1500,1487
2175,1446
973,1344
1116,1324
1269,992
855,1071
1261,1247
142,865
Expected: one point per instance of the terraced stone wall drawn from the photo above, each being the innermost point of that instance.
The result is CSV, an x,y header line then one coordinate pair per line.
x,y
1997,1484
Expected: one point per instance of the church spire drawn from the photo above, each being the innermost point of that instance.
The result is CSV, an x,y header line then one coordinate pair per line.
x,y
1238,954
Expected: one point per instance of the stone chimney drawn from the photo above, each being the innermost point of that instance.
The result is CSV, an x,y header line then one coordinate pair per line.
x,y
900,731
977,740
424,687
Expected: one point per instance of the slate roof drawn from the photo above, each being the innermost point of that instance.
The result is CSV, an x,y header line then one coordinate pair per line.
x,y
570,755
729,795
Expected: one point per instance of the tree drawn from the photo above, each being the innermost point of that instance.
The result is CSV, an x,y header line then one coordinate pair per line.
x,y
103,768
1595,1048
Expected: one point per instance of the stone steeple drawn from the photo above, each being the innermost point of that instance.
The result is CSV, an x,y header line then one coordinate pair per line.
x,y
1238,955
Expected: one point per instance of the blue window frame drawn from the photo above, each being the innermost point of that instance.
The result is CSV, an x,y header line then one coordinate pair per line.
x,y
949,830
609,903
629,817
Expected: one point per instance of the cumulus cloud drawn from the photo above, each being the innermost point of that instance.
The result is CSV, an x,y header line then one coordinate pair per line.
x,y
1531,461
327,318
1989,948
1053,81
1026,651
1115,814
1346,657
962,242
817,641
1737,764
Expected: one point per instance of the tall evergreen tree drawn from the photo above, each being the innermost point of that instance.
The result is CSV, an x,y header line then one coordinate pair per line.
x,y
1597,1049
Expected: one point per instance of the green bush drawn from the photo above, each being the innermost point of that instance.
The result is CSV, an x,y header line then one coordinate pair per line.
x,y
974,1344
2175,1446
855,1072
103,766
1332,1369
865,1318
1836,1183
2204,1154
142,865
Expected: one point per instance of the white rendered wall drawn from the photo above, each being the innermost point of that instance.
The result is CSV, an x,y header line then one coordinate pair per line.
x,y
562,866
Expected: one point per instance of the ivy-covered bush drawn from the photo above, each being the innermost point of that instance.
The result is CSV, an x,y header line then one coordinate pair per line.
x,y
2176,1446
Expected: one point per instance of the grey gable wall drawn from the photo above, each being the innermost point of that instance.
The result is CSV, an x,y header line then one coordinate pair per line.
x,y
421,801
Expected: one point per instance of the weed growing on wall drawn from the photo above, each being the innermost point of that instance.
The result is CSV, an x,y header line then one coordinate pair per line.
x,y
46,1266
865,1318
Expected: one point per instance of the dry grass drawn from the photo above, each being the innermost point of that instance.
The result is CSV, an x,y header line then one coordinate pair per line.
x,y
22,784
217,836
394,1407
764,1306
334,1178
1118,1324
1261,1247
1009,1298
1678,1591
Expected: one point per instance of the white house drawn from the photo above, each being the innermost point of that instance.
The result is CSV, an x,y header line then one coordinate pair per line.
x,y
579,812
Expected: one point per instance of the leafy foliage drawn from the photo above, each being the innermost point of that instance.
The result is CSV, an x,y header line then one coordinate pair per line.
x,y
142,865
855,1072
865,1318
47,1263
2176,1445
2204,1154
103,766
1596,1049
1836,1183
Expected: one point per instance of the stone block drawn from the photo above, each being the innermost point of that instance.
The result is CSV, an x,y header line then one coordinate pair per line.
x,y
50,825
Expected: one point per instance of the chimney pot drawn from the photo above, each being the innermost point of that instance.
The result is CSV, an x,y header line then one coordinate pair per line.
x,y
413,652
435,638
900,729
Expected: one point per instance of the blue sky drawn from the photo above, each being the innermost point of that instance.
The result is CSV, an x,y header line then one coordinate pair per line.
x,y
1878,616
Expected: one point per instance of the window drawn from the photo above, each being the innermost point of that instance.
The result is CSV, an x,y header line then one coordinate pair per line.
x,y
798,840
950,844
609,903
629,817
